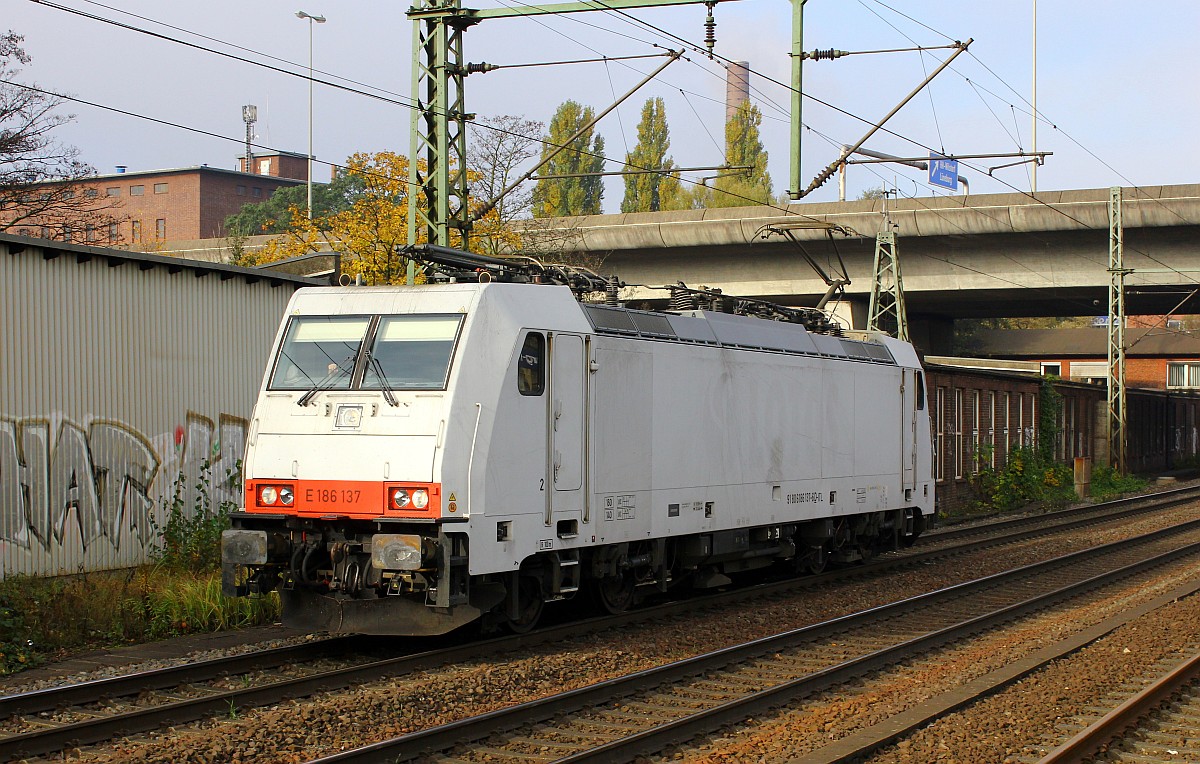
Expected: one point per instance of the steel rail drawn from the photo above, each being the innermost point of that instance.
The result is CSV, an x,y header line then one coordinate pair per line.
x,y
418,744
1092,741
1157,501
98,729
95,690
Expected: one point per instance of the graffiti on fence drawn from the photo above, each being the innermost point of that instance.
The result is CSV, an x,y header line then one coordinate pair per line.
x,y
108,477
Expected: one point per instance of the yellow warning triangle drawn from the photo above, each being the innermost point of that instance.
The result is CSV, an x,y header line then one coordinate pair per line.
x,y
452,498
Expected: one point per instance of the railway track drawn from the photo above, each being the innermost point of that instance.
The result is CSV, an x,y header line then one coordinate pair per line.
x,y
69,716
1131,506
649,712
1157,724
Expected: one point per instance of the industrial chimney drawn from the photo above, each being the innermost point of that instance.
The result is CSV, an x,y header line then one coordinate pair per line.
x,y
737,87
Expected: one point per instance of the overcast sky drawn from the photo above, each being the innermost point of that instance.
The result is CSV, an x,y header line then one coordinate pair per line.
x,y
1118,82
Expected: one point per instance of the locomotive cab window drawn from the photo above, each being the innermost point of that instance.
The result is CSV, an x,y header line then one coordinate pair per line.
x,y
920,391
531,365
319,350
411,353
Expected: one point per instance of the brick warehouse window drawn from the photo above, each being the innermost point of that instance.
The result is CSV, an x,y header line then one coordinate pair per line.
x,y
1183,375
976,424
135,232
1008,426
940,462
958,433
112,191
1020,420
114,231
241,191
137,190
160,188
992,429
160,228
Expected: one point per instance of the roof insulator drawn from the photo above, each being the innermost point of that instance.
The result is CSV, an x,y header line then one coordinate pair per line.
x,y
710,28
824,55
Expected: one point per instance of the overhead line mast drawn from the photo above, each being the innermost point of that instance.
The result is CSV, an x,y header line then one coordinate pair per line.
x,y
439,123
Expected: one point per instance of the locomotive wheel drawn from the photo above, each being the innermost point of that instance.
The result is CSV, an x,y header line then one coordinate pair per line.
x,y
529,606
616,593
816,560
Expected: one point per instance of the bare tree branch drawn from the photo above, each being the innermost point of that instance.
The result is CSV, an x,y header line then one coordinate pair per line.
x,y
41,192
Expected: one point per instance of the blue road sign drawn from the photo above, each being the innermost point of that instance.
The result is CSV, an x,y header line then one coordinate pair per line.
x,y
943,172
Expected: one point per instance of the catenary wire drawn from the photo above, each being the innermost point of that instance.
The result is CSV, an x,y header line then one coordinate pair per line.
x,y
335,85
681,40
1040,116
786,210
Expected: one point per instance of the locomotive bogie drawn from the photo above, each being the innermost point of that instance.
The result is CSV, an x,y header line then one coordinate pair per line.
x,y
469,450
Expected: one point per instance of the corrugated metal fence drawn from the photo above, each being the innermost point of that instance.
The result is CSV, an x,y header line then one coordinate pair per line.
x,y
121,376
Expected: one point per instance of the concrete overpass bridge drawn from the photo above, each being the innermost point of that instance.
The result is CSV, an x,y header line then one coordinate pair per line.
x,y
993,255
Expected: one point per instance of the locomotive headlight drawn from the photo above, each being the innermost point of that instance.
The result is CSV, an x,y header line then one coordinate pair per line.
x,y
396,551
420,498
240,547
268,495
400,498
286,496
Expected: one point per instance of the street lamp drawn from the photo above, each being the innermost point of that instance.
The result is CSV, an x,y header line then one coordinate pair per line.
x,y
319,20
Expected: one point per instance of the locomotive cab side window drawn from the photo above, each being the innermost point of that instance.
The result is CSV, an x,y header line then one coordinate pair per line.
x,y
920,391
319,350
531,365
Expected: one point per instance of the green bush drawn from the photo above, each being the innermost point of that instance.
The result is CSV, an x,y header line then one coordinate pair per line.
x,y
1028,478
179,594
16,649
1107,484
191,536
46,617
1032,475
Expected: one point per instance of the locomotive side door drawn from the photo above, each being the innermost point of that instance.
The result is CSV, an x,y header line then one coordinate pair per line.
x,y
908,428
565,425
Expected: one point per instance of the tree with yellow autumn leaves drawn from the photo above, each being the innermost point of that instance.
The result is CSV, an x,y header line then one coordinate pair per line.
x,y
363,216
365,229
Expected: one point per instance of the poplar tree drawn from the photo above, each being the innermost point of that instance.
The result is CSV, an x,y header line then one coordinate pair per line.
x,y
570,196
743,146
650,192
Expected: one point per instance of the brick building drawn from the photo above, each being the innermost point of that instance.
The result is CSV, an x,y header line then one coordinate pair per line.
x,y
1155,358
283,164
979,416
150,207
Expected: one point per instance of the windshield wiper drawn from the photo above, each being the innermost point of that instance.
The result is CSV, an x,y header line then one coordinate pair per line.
x,y
388,395
324,384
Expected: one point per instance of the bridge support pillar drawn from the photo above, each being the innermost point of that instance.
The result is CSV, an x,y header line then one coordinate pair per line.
x,y
930,335
852,311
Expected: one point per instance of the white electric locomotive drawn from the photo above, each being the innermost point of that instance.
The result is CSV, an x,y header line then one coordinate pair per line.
x,y
424,457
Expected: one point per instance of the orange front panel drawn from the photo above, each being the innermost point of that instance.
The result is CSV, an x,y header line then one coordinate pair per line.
x,y
343,498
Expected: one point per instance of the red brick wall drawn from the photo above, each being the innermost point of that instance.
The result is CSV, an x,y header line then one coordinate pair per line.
x,y
964,442
277,166
194,206
226,194
1150,373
